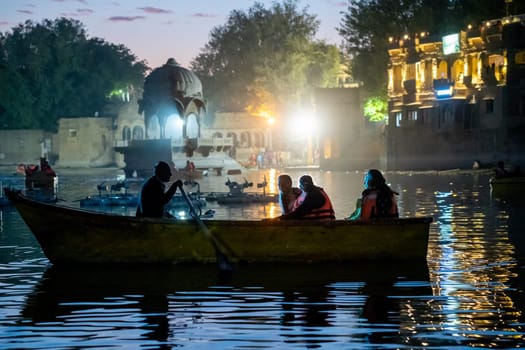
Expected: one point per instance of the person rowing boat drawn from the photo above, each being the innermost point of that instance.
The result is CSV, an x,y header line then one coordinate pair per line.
x,y
152,198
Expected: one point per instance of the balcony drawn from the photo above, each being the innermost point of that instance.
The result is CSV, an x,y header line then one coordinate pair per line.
x,y
217,143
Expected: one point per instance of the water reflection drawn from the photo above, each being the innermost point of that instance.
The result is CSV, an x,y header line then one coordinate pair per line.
x,y
471,294
171,304
473,267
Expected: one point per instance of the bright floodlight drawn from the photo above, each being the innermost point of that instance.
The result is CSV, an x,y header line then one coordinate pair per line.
x,y
305,123
174,127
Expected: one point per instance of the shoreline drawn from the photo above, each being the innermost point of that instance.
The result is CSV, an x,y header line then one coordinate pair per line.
x,y
10,171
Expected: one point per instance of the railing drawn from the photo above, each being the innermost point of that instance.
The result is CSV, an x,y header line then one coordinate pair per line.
x,y
121,143
201,141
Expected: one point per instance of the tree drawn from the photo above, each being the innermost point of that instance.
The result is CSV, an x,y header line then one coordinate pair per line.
x,y
54,70
376,109
365,28
265,58
16,101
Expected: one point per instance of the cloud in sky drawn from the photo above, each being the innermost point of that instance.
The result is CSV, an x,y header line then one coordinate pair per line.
x,y
156,30
154,10
85,12
80,1
203,15
78,13
126,18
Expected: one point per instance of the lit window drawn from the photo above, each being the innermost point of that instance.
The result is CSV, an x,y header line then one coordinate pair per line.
x,y
412,115
399,117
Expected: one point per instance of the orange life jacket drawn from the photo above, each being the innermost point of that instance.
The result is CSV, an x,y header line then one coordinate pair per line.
x,y
326,212
369,210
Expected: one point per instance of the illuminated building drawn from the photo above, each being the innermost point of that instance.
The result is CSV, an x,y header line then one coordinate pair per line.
x,y
457,98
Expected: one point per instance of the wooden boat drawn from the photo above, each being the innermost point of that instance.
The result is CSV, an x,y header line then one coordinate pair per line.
x,y
38,176
70,235
41,180
505,187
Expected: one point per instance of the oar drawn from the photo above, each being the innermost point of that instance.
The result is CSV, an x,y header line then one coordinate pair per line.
x,y
220,249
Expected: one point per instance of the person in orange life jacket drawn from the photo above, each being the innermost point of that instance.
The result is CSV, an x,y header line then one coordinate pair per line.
x,y
287,193
377,200
312,204
152,197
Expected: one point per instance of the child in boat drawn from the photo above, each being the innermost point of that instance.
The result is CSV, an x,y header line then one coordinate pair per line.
x,y
377,200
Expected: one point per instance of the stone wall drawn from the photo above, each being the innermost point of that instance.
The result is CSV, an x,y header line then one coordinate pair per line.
x,y
22,146
85,142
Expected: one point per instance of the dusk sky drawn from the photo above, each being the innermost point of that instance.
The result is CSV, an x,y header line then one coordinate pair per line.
x,y
157,30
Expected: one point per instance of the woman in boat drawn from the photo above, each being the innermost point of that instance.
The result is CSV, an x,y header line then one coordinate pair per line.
x,y
152,197
287,193
377,200
312,204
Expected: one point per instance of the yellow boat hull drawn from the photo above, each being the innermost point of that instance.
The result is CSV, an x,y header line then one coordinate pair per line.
x,y
70,235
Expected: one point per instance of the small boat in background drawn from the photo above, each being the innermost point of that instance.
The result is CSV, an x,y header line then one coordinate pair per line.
x,y
41,180
508,186
119,196
39,176
237,195
184,174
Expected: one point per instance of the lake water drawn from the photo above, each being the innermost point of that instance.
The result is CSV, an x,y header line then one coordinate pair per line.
x,y
469,295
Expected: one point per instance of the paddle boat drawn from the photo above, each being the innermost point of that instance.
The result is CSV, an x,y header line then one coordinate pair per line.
x,y
70,235
237,195
185,174
119,196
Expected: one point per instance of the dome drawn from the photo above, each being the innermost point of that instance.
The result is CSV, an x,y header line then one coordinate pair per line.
x,y
173,80
170,90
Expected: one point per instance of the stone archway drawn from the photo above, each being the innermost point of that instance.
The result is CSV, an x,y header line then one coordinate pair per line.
x,y
126,134
246,139
138,133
